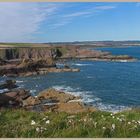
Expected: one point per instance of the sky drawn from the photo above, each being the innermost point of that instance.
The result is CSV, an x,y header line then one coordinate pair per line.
x,y
42,22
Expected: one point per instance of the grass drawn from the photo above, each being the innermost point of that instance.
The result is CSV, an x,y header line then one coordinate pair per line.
x,y
21,123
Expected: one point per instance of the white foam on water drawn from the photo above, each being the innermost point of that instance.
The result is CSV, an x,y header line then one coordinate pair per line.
x,y
3,90
18,81
123,61
111,107
32,90
90,77
78,64
89,98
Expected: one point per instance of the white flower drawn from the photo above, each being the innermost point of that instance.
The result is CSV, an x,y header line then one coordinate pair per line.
x,y
129,122
44,119
33,122
104,128
90,119
70,121
122,115
138,122
135,126
113,117
118,118
111,114
71,117
113,126
37,129
85,120
102,116
95,124
48,121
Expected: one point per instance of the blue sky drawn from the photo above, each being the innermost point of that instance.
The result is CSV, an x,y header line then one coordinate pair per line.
x,y
62,22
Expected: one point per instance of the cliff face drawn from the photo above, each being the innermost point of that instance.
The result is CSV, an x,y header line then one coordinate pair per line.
x,y
25,53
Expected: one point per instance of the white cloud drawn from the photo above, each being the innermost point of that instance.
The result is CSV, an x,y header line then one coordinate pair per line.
x,y
21,22
18,21
77,14
104,7
88,12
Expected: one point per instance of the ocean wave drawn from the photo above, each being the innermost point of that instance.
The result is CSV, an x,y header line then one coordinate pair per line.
x,y
3,90
19,81
87,96
78,64
32,90
111,107
90,99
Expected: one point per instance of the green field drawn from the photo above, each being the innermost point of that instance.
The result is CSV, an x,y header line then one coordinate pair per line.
x,y
21,123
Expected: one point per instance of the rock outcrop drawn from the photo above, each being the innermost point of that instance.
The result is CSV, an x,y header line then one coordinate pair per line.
x,y
58,96
13,98
47,100
28,67
9,84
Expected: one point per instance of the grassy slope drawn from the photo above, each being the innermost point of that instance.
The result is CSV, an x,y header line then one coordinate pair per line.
x,y
17,123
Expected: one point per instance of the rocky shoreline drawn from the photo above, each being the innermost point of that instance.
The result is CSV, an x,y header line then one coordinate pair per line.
x,y
50,100
31,67
35,61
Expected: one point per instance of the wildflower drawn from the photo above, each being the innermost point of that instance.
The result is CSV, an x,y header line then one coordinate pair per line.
x,y
122,115
102,116
120,120
139,122
104,119
90,119
113,126
48,121
104,128
70,121
37,129
44,119
70,117
111,114
95,124
135,126
129,122
33,122
85,120
113,117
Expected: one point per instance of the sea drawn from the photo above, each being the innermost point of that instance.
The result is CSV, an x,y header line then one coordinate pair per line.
x,y
108,86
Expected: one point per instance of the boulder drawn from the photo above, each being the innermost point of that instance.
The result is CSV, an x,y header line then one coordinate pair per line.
x,y
31,101
14,97
56,95
72,108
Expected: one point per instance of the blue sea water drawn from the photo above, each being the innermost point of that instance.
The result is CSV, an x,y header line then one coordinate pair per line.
x,y
110,86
